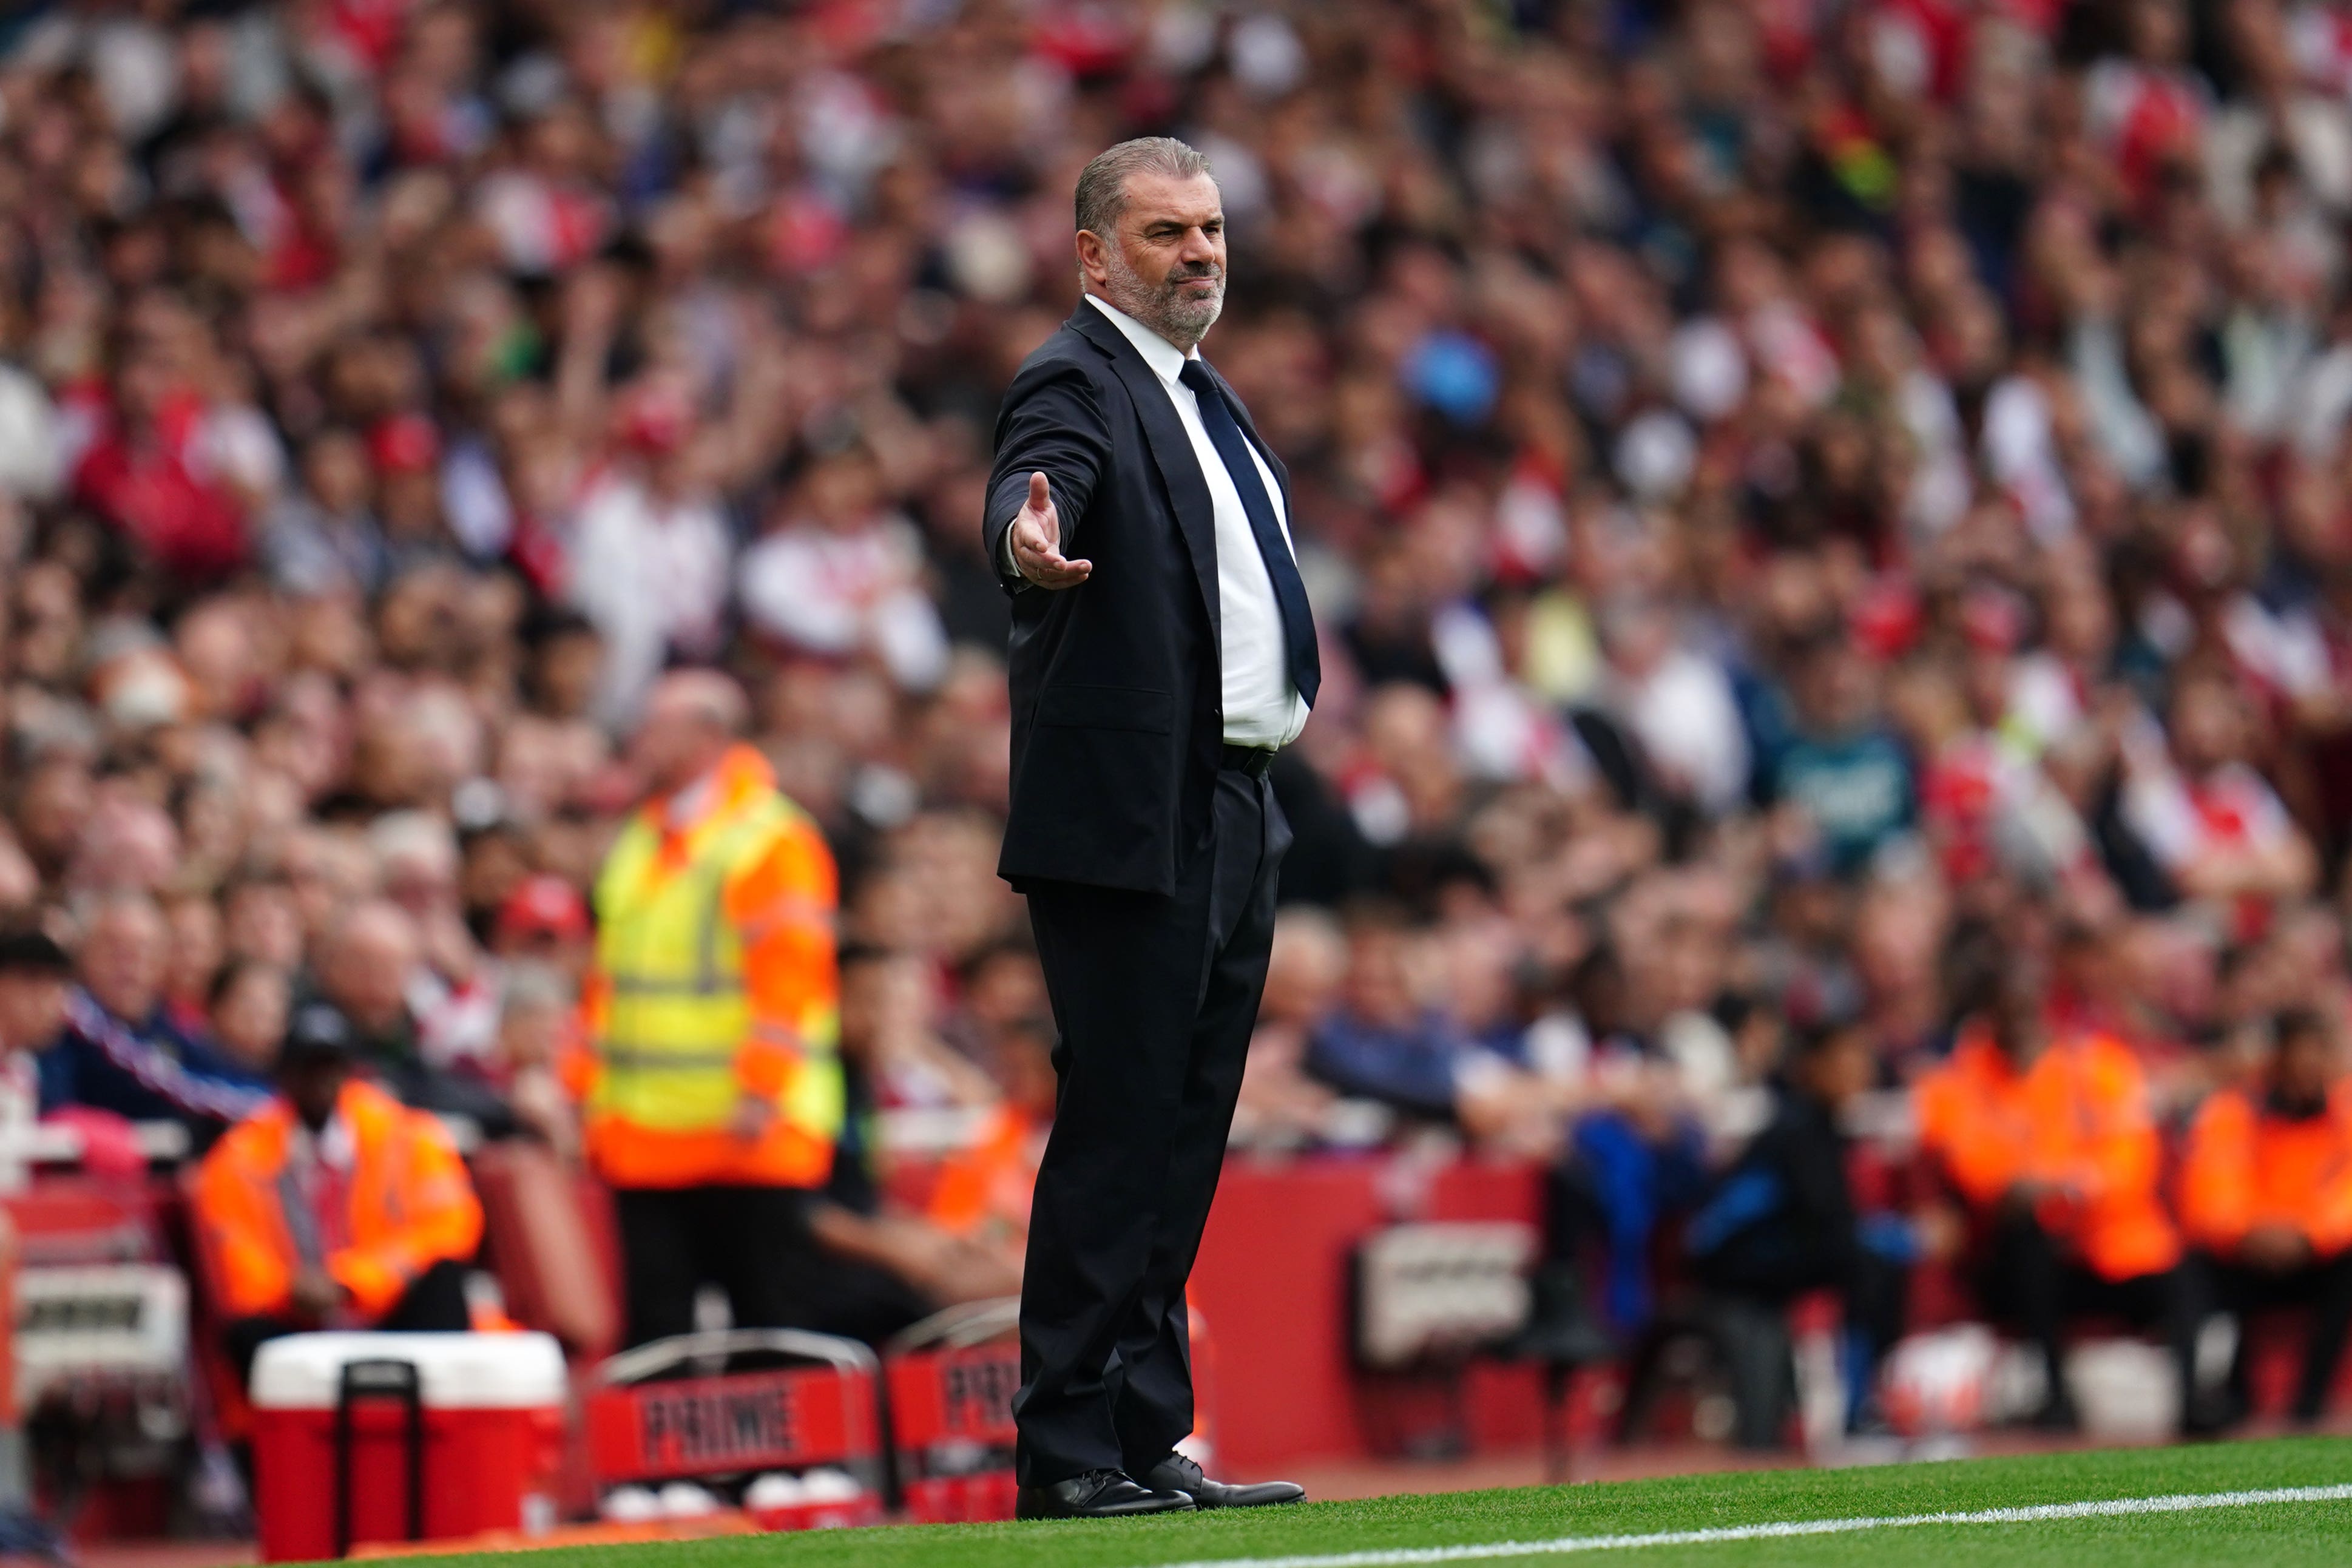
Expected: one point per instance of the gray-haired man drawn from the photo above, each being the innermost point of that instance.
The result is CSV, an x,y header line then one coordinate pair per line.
x,y
1163,651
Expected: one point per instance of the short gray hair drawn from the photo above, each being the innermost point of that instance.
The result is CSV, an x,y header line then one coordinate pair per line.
x,y
1102,183
523,987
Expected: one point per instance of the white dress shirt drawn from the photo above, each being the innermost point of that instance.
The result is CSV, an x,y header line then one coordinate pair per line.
x,y
1262,708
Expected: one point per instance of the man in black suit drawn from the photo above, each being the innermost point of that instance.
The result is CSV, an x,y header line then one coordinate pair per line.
x,y
1154,673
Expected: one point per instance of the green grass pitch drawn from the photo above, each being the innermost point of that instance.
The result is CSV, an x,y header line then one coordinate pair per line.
x,y
1401,1530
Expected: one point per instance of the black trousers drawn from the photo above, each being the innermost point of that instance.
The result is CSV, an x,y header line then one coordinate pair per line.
x,y
1873,1294
435,1303
2032,1282
2325,1286
754,1243
1154,999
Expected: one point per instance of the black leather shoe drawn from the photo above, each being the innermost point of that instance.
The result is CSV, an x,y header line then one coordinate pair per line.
x,y
1179,1474
1098,1494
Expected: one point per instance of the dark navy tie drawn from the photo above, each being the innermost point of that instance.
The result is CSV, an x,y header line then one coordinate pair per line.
x,y
1225,436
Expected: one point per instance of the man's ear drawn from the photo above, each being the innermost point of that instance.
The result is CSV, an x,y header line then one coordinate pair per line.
x,y
1094,257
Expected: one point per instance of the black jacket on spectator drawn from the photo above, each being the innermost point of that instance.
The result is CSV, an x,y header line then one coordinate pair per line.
x,y
144,1071
1781,1220
393,1057
1117,715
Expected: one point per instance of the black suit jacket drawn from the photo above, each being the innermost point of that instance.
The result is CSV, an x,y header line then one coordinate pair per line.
x,y
1118,697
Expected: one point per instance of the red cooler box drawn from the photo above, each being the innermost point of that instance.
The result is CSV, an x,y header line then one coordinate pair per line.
x,y
368,1437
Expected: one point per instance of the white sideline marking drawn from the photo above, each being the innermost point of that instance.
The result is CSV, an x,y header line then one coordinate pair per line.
x,y
1406,1557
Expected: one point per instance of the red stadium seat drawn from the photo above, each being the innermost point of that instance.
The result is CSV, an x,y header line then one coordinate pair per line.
x,y
544,1244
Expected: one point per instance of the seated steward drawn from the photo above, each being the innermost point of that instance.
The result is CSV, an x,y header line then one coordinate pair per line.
x,y
2049,1140
2266,1195
334,1206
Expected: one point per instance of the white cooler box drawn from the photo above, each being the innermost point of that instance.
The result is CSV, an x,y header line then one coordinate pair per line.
x,y
368,1437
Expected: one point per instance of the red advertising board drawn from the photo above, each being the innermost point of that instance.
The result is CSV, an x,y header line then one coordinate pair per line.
x,y
724,1426
935,1395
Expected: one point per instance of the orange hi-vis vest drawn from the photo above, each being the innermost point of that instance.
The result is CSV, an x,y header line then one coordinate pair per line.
x,y
2080,1117
983,1191
2246,1165
411,1205
715,979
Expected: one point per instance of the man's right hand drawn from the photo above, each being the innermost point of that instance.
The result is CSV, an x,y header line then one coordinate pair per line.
x,y
1036,535
315,1294
2274,1250
2025,1194
754,1114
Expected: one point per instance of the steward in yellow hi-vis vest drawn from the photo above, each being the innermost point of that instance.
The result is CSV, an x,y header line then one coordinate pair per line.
x,y
711,1092
714,981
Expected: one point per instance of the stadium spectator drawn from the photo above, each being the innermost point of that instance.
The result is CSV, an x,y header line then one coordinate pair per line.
x,y
367,961
196,947
1384,1042
1636,1156
333,1205
247,1012
1781,1220
2212,823
2266,1191
261,923
452,993
544,921
1001,988
1282,1106
902,1058
650,553
538,1025
119,1053
1847,780
1677,704
846,578
34,976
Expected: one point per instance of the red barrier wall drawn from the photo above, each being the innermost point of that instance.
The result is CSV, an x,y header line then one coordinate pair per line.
x,y
1272,1283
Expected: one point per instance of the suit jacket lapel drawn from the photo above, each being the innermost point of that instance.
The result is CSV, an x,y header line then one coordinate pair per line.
x,y
1171,449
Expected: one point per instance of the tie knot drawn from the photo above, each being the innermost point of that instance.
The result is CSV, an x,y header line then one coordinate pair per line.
x,y
1195,374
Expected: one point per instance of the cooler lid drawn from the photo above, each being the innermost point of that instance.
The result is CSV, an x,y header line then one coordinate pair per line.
x,y
459,1372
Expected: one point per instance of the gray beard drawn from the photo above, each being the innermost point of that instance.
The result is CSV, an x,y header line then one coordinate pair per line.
x,y
1179,320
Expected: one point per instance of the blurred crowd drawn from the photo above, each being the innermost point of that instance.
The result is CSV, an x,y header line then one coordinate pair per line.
x,y
1792,493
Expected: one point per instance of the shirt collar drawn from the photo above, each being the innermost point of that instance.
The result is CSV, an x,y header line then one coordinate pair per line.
x,y
681,810
1167,361
333,1145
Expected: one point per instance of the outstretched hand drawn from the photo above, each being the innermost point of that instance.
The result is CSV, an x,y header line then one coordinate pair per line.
x,y
1037,541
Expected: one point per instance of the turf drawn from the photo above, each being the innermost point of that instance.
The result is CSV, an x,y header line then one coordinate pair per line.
x,y
2274,1535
